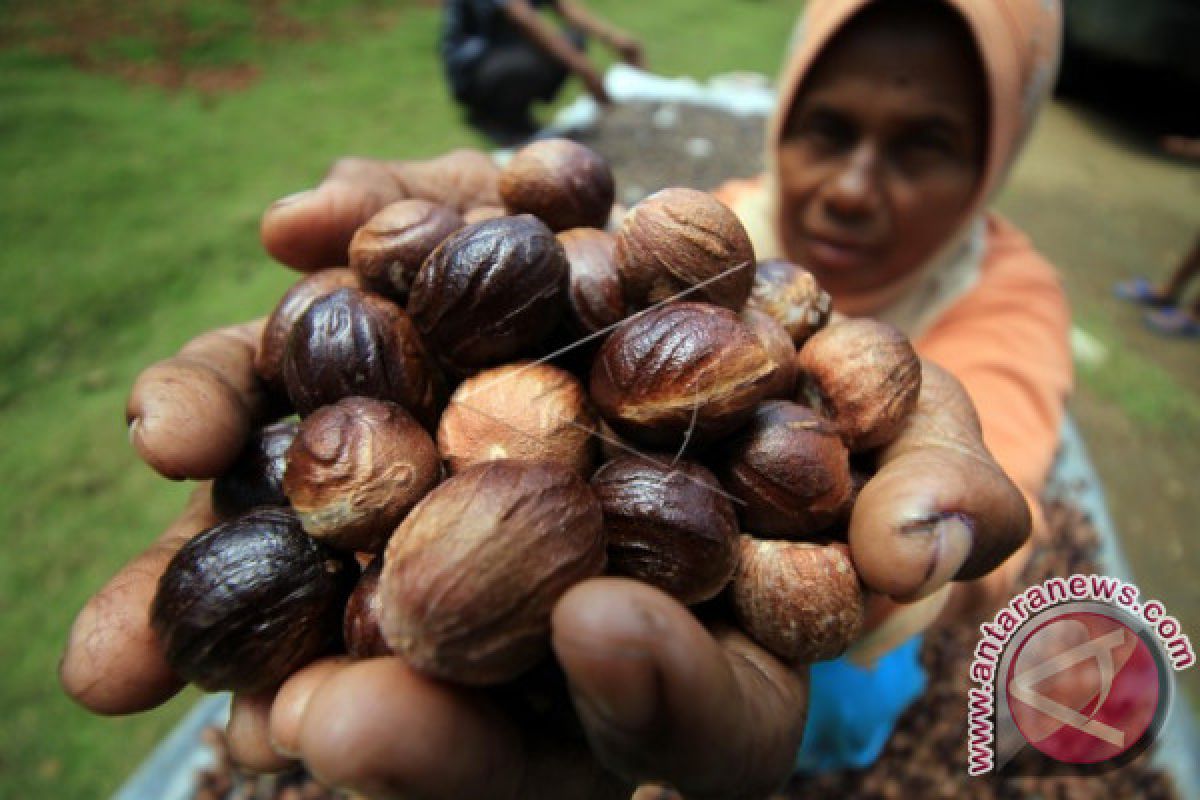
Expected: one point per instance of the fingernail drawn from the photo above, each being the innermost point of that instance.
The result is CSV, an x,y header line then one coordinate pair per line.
x,y
292,198
281,750
953,535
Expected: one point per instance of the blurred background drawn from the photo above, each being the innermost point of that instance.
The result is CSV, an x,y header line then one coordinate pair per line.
x,y
141,140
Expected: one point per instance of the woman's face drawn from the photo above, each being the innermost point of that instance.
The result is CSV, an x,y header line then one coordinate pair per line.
x,y
882,153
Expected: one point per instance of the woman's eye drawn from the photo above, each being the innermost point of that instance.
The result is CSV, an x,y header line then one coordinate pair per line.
x,y
828,131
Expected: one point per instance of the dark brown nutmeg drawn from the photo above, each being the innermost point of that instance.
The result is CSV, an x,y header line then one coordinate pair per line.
x,y
355,343
791,471
802,601
792,296
668,524
524,411
563,183
246,603
679,239
268,362
594,298
862,375
360,625
685,371
779,347
256,478
388,250
356,468
490,292
473,573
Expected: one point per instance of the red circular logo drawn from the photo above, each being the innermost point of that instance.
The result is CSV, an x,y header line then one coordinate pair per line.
x,y
1083,688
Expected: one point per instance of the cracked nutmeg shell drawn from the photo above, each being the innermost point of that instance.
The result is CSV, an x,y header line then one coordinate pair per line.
x,y
247,602
387,251
356,468
802,601
683,372
792,296
525,411
490,292
268,362
563,183
472,574
791,471
863,376
352,343
256,478
360,625
668,524
677,239
594,298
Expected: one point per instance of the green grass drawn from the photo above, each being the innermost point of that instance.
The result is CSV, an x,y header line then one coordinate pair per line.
x,y
129,224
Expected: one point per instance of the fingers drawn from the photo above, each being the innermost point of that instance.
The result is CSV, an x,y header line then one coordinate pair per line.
x,y
291,701
113,662
664,700
311,230
190,414
247,734
939,508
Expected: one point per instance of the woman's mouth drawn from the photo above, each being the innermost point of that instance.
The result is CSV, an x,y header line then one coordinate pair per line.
x,y
834,254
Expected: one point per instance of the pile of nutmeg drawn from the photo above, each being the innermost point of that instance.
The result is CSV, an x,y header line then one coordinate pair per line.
x,y
498,398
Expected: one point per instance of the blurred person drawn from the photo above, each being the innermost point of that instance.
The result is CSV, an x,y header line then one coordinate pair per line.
x,y
1167,315
910,112
501,56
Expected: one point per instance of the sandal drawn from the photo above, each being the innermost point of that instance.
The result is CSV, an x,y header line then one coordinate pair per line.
x,y
1142,292
1173,322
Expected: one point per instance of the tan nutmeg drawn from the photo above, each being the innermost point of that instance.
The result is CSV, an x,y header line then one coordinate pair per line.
x,y
355,469
678,240
525,411
802,601
472,575
792,296
563,183
390,247
862,375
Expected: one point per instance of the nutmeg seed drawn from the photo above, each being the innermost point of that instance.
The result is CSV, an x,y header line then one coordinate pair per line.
x,y
471,576
802,601
360,624
792,296
563,183
778,346
355,469
680,239
594,297
669,524
256,478
268,362
387,251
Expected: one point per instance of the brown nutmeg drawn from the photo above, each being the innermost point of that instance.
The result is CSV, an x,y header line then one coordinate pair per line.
x,y
779,347
352,343
669,524
791,471
862,375
594,299
678,239
483,214
525,411
268,362
490,292
388,250
355,469
685,371
792,296
256,478
802,601
360,624
471,576
246,603
563,183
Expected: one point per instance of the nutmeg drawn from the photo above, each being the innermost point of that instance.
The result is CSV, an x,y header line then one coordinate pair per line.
x,y
802,601
246,603
360,624
791,471
683,372
779,347
682,239
594,299
792,296
668,523
563,183
356,468
471,576
490,292
268,361
387,251
524,411
864,376
356,343
461,179
256,478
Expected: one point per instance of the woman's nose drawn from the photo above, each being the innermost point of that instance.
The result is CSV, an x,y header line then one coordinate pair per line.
x,y
853,191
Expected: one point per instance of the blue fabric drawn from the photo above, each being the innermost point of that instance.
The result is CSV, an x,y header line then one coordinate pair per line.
x,y
852,710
